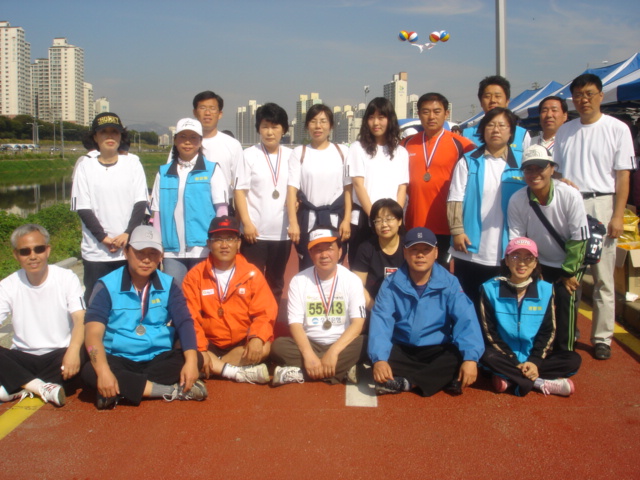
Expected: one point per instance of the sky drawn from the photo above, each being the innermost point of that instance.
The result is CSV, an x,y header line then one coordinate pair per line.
x,y
150,58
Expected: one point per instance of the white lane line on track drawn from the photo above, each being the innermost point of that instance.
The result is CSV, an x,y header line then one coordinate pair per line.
x,y
364,393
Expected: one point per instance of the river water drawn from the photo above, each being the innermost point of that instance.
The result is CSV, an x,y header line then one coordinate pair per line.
x,y
26,199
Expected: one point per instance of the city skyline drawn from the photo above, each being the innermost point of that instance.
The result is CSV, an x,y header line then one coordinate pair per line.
x,y
150,63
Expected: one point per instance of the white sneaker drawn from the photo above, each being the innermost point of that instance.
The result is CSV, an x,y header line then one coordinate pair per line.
x,y
10,397
253,374
52,392
284,375
352,375
560,386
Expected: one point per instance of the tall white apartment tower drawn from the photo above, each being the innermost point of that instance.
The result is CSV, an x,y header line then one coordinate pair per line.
x,y
396,92
88,103
302,105
101,105
246,124
40,89
15,71
66,80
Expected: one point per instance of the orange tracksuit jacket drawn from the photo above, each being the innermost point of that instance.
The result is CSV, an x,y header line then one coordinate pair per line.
x,y
250,310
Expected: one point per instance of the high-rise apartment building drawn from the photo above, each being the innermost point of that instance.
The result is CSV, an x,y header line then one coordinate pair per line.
x,y
246,124
396,92
15,71
302,105
66,82
40,89
101,105
88,103
412,106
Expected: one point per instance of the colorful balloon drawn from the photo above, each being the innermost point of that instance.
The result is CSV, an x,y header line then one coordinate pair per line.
x,y
403,36
434,37
444,36
413,37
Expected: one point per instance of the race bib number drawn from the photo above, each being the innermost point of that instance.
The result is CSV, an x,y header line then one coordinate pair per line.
x,y
315,314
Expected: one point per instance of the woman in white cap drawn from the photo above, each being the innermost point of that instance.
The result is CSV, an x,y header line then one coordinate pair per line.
x,y
260,195
187,194
110,195
518,324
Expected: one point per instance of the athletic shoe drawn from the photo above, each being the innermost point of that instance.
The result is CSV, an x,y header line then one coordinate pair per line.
x,y
500,385
352,375
253,374
197,392
603,351
106,403
52,392
559,386
10,397
397,385
284,375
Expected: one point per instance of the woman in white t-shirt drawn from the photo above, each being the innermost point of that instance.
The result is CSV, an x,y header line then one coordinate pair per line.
x,y
260,194
318,192
188,193
110,195
482,184
378,166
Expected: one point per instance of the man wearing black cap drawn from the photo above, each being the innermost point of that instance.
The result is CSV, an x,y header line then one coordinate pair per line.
x,y
424,330
135,314
232,306
562,207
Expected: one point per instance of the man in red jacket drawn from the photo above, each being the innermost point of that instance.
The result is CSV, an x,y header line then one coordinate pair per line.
x,y
232,306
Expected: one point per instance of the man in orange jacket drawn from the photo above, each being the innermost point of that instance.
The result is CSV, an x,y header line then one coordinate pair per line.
x,y
232,306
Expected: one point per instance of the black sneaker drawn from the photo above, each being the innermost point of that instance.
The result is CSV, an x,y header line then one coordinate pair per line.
x,y
453,388
397,385
602,351
106,403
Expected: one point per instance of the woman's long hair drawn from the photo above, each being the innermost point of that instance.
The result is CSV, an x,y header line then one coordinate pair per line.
x,y
392,136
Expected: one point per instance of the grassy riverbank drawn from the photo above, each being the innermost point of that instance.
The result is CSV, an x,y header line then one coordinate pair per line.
x,y
62,224
26,171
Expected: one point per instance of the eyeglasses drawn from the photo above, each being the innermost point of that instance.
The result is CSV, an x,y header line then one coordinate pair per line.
x,y
38,249
323,123
518,259
227,240
499,126
204,108
587,95
379,221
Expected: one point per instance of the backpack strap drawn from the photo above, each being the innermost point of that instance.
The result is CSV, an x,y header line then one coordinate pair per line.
x,y
544,220
339,151
304,150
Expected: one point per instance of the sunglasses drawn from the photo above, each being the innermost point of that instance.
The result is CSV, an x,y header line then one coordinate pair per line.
x,y
25,252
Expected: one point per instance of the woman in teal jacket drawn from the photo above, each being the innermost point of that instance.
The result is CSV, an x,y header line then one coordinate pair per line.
x,y
518,324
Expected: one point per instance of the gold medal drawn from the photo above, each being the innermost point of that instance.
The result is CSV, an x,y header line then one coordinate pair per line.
x,y
221,312
426,177
326,325
140,330
275,195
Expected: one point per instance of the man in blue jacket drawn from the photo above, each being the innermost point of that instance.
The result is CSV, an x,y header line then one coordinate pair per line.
x,y
424,331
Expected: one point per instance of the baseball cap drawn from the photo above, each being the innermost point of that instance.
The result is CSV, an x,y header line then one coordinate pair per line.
x,y
321,235
145,236
523,243
224,224
105,120
537,155
420,235
189,124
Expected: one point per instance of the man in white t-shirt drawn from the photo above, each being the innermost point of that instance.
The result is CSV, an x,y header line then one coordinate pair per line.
x,y
553,113
595,152
47,312
217,146
326,318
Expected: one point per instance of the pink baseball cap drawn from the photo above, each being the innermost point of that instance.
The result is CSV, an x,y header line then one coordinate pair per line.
x,y
523,243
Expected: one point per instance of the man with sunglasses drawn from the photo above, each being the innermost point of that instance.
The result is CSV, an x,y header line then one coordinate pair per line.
x,y
562,206
233,308
47,312
595,151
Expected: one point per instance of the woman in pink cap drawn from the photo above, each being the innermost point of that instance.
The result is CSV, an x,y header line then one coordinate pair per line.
x,y
517,319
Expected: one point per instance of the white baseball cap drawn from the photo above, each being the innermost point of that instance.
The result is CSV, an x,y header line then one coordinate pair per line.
x,y
189,124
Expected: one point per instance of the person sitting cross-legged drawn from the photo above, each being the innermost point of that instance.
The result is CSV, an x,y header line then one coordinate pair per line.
x,y
134,316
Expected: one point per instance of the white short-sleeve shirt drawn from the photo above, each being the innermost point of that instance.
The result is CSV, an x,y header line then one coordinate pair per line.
x,y
41,315
305,304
